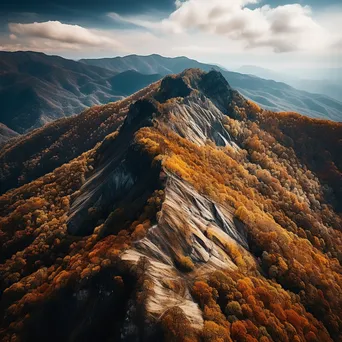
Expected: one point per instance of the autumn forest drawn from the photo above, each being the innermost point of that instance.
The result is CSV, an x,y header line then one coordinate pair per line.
x,y
184,212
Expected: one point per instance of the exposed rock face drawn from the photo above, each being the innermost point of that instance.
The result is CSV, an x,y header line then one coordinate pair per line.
x,y
199,120
184,223
120,167
123,178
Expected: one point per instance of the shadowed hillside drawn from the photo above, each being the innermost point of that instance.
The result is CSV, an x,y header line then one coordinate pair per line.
x,y
6,134
51,87
36,153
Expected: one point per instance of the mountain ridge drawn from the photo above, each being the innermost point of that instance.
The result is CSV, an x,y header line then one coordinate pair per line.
x,y
327,85
51,87
200,216
6,134
271,94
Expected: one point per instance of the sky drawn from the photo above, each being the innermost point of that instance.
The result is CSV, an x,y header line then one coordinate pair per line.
x,y
275,34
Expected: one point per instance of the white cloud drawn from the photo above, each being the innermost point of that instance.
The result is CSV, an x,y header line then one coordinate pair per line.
x,y
197,48
337,45
214,31
144,21
64,33
283,28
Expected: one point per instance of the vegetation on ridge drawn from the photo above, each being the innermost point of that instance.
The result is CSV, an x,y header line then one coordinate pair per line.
x,y
282,179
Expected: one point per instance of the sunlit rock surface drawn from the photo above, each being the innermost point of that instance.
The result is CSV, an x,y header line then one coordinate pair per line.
x,y
183,225
186,217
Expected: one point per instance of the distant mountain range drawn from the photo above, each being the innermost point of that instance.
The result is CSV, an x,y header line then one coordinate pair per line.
x,y
152,64
323,81
275,96
36,88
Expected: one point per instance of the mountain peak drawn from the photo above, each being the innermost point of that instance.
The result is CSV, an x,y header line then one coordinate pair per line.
x,y
212,84
196,116
216,87
173,86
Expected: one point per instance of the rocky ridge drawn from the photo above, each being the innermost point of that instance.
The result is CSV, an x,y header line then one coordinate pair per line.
x,y
176,221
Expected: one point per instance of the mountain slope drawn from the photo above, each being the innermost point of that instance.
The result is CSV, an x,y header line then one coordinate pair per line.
x,y
6,134
277,96
51,87
203,218
329,84
269,94
152,64
130,81
38,152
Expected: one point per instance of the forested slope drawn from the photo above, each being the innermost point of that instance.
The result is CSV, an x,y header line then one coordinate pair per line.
x,y
202,218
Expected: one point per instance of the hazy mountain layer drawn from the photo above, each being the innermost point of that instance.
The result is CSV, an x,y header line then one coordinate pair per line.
x,y
201,218
330,83
269,94
50,87
152,64
38,152
36,89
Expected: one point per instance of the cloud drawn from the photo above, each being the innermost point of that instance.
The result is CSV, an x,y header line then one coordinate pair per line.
x,y
64,33
283,28
219,31
337,45
197,48
137,21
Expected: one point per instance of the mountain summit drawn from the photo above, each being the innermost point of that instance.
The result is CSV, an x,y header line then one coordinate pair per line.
x,y
182,213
